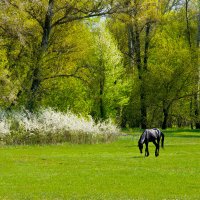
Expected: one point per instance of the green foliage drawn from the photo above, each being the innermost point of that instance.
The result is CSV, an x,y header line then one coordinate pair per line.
x,y
64,58
171,75
6,86
63,94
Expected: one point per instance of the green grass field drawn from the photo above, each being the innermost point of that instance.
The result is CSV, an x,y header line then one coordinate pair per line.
x,y
103,171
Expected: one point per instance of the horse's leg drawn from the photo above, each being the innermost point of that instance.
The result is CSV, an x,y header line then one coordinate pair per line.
x,y
146,149
157,148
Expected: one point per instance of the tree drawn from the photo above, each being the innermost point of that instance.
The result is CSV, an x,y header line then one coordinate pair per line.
x,y
104,75
6,94
193,43
197,112
47,17
172,72
138,25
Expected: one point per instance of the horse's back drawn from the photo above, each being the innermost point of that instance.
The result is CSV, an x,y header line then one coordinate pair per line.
x,y
153,134
150,135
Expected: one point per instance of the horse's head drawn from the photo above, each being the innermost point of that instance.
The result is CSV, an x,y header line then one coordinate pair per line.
x,y
140,145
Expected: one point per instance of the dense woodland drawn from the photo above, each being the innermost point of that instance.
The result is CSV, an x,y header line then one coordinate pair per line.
x,y
134,61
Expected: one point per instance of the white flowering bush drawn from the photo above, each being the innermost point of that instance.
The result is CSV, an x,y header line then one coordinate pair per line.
x,y
4,128
49,126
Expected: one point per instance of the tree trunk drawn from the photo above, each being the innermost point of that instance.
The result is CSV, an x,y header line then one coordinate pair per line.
x,y
142,70
143,88
166,115
123,117
197,96
143,109
188,24
101,104
131,44
191,113
31,104
147,41
197,120
47,25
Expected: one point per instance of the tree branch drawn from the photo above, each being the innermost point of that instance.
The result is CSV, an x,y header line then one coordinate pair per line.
x,y
79,14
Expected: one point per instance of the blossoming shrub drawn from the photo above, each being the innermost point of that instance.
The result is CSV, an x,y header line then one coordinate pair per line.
x,y
49,126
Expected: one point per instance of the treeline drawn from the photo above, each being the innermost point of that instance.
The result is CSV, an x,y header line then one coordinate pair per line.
x,y
135,61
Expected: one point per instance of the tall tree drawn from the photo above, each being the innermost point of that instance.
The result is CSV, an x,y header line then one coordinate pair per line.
x,y
197,112
139,23
193,43
171,66
105,74
49,15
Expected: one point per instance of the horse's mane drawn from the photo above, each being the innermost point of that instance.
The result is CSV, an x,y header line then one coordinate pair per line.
x,y
142,137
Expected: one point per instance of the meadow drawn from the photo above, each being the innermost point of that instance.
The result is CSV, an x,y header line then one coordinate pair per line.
x,y
103,171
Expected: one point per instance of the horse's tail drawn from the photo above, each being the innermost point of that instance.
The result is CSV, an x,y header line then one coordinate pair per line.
x,y
162,140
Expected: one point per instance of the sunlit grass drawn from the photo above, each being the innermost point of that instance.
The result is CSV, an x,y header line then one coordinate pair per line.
x,y
102,171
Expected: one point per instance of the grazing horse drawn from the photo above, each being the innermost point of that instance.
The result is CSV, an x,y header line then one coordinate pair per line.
x,y
151,135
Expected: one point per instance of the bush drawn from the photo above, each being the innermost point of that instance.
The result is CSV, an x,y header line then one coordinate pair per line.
x,y
49,126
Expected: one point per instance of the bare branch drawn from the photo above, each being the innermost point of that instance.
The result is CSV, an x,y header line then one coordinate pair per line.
x,y
73,13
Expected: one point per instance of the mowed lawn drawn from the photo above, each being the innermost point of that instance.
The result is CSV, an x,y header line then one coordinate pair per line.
x,y
103,171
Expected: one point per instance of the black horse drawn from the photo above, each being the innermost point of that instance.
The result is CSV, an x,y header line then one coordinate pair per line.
x,y
151,135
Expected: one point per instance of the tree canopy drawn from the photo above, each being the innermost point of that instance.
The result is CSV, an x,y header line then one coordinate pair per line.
x,y
136,62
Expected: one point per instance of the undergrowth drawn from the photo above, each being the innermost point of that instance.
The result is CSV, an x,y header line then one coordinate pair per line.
x,y
49,126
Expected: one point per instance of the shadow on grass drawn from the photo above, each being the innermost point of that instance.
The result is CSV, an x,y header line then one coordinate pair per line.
x,y
185,136
136,157
182,131
129,146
